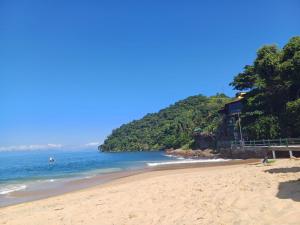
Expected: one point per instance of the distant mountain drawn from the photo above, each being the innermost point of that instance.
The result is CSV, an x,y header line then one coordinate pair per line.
x,y
171,127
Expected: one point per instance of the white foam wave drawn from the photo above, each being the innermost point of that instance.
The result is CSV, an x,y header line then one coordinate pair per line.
x,y
174,156
180,158
171,156
187,161
12,188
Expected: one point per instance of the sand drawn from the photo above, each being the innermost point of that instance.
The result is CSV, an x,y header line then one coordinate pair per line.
x,y
236,194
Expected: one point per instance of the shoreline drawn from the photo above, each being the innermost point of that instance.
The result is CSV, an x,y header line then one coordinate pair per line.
x,y
74,185
242,193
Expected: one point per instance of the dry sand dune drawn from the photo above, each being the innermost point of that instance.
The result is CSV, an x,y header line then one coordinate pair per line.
x,y
240,194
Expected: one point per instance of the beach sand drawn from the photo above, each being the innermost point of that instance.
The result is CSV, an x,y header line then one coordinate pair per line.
x,y
235,194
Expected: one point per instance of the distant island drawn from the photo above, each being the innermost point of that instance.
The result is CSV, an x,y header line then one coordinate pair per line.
x,y
271,107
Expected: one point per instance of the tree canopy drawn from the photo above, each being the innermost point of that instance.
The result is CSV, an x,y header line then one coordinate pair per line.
x,y
171,127
272,104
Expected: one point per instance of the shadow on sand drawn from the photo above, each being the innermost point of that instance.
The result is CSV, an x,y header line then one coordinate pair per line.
x,y
284,170
289,189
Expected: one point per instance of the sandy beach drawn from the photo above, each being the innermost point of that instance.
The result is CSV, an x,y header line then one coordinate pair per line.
x,y
234,194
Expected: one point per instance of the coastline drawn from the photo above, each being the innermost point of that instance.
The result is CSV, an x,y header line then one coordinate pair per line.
x,y
48,190
233,194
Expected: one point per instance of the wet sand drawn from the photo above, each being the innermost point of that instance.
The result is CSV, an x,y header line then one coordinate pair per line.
x,y
232,194
48,189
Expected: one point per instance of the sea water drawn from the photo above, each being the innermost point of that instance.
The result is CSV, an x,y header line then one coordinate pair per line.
x,y
21,170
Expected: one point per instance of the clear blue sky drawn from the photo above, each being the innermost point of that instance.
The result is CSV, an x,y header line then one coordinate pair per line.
x,y
71,71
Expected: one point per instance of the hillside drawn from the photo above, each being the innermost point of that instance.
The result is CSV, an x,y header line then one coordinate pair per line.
x,y
171,127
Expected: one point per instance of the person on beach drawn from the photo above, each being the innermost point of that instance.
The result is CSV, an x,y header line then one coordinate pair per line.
x,y
265,160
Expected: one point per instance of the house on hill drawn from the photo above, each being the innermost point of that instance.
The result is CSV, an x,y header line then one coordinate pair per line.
x,y
231,129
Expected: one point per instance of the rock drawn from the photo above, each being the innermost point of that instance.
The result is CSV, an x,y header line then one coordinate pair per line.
x,y
204,140
207,153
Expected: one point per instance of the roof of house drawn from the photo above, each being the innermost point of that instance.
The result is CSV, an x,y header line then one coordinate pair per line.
x,y
239,98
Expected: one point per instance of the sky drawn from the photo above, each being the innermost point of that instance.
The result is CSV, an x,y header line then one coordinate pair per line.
x,y
71,71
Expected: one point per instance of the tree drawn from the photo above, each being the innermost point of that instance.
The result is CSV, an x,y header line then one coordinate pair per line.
x,y
171,127
271,82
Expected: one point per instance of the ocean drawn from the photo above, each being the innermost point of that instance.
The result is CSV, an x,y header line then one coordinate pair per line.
x,y
28,175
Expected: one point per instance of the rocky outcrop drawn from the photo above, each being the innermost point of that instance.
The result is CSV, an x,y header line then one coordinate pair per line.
x,y
207,153
204,140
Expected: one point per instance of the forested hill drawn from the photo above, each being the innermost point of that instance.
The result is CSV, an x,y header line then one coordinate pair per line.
x,y
171,127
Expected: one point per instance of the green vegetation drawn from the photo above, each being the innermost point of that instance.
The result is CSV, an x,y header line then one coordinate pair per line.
x,y
271,107
272,104
171,127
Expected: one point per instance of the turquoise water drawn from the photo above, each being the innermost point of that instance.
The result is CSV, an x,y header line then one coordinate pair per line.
x,y
17,168
30,171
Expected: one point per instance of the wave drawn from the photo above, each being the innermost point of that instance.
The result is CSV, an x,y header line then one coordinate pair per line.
x,y
170,156
12,188
187,161
174,156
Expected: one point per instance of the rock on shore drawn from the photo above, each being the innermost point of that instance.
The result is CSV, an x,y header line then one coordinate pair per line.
x,y
207,153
